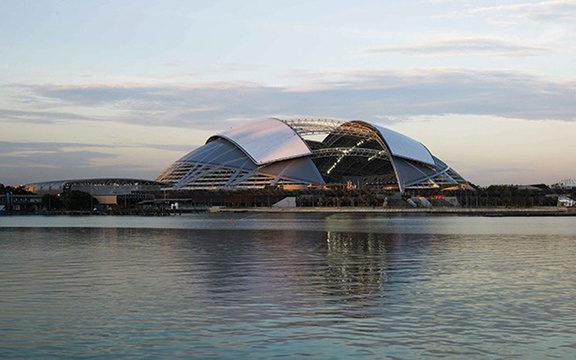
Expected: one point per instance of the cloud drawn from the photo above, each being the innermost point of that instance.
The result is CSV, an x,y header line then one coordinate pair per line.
x,y
98,95
16,175
39,116
563,10
47,164
40,161
170,147
462,47
382,97
9,147
368,95
31,150
47,155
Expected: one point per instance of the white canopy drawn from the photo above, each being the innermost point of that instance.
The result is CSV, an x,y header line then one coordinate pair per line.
x,y
266,141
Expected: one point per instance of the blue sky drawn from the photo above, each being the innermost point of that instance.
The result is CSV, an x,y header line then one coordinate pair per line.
x,y
124,88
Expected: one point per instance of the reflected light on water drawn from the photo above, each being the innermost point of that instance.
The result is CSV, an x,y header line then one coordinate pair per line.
x,y
288,286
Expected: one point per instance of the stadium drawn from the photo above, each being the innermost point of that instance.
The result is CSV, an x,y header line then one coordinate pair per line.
x,y
305,153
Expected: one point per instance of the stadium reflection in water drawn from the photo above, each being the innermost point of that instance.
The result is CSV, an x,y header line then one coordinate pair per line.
x,y
288,286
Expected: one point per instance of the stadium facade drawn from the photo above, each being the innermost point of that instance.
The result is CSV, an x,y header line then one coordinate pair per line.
x,y
307,152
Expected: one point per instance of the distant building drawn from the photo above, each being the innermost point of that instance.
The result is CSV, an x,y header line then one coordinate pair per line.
x,y
564,200
106,191
565,184
17,203
307,153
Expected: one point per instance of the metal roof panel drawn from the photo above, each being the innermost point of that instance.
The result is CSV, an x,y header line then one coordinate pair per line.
x,y
405,147
266,141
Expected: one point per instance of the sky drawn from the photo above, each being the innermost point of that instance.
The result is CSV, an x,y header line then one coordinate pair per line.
x,y
97,88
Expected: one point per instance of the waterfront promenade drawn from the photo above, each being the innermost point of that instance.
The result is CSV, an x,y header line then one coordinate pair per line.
x,y
484,211
493,211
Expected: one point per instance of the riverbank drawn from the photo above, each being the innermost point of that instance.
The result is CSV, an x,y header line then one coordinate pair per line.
x,y
495,212
490,212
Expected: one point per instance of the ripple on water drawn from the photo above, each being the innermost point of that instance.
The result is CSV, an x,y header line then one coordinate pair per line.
x,y
383,291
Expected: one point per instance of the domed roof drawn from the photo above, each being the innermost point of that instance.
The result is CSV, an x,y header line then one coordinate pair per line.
x,y
309,151
266,141
402,146
272,140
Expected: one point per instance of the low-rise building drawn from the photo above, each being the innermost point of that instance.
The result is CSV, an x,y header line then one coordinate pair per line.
x,y
109,191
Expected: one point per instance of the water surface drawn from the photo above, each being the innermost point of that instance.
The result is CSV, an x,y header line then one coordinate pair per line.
x,y
212,286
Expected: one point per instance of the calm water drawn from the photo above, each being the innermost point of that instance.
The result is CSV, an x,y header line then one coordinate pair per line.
x,y
213,286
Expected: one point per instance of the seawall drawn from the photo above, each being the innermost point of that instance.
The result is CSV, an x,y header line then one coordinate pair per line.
x,y
495,212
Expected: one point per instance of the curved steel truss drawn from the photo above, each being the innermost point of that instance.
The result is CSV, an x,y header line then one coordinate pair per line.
x,y
370,154
337,150
198,175
334,128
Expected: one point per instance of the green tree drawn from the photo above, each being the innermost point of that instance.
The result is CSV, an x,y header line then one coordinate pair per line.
x,y
78,200
16,190
52,202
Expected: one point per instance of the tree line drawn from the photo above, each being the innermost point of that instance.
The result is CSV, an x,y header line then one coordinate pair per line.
x,y
69,200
